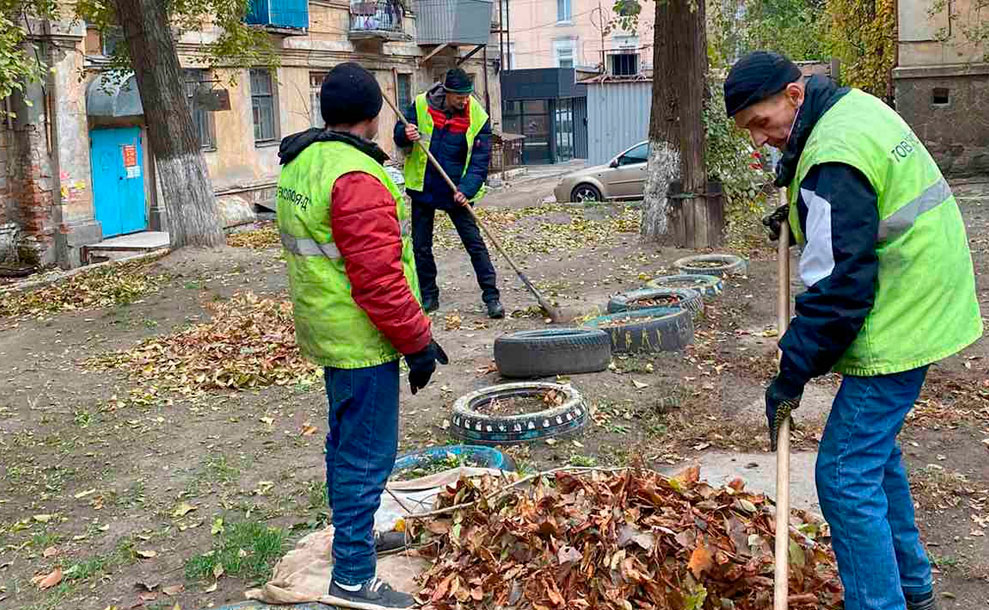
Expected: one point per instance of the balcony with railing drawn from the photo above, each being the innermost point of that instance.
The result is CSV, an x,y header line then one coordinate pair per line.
x,y
454,22
290,17
376,19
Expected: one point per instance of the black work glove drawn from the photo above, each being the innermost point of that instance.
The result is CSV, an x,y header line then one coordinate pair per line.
x,y
422,365
774,221
782,397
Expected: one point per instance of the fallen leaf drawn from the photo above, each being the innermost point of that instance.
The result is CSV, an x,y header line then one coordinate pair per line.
x,y
83,494
217,527
48,580
567,554
218,571
210,588
49,552
639,385
700,560
173,590
146,554
183,509
440,528
308,430
42,518
267,420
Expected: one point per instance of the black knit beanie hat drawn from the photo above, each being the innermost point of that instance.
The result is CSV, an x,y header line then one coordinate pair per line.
x,y
457,81
349,94
755,77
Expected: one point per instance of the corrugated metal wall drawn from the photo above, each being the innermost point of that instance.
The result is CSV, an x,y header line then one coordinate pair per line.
x,y
617,117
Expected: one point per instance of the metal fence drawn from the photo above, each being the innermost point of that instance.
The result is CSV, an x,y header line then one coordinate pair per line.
x,y
506,151
377,15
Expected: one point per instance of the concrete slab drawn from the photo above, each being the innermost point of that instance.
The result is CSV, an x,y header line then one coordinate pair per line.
x,y
145,240
758,470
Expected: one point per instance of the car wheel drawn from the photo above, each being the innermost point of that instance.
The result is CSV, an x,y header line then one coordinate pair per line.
x,y
585,192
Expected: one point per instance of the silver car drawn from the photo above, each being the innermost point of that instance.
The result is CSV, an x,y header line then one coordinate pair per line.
x,y
623,178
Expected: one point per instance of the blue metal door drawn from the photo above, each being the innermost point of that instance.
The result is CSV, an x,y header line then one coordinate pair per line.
x,y
118,180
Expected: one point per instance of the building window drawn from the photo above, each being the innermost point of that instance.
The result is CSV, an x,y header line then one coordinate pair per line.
x,y
202,119
625,64
564,10
263,106
565,52
111,37
940,96
404,91
315,110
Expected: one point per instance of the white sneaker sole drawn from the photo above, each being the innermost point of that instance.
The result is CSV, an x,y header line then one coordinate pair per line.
x,y
333,600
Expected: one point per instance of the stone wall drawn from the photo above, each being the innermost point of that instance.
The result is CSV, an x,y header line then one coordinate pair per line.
x,y
948,108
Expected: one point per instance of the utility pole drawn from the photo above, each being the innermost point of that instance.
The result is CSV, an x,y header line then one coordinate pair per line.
x,y
508,34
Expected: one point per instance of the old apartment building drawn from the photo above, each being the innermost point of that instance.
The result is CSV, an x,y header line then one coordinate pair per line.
x,y
75,164
942,81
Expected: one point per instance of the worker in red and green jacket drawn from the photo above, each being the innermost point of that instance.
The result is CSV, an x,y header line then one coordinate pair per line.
x,y
344,228
890,291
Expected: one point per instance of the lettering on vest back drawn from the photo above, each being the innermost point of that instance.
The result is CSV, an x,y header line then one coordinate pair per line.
x,y
291,196
906,147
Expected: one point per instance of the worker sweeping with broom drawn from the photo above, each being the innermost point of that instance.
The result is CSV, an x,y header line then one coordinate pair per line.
x,y
890,290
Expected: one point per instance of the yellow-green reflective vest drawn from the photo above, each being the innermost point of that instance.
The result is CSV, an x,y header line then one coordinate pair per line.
x,y
330,328
416,161
925,307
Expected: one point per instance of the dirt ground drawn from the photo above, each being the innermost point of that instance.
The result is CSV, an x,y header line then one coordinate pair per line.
x,y
136,493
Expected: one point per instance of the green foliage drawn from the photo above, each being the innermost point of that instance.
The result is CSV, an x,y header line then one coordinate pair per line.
x,y
972,25
863,37
795,28
19,63
729,157
247,549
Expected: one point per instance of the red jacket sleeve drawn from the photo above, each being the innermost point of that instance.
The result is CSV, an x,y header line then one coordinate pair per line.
x,y
367,232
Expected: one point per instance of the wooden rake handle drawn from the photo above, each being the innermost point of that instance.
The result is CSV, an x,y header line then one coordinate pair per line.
x,y
781,577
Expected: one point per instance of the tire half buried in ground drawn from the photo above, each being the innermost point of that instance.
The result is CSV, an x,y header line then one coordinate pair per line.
x,y
470,421
712,264
646,298
659,329
708,285
553,351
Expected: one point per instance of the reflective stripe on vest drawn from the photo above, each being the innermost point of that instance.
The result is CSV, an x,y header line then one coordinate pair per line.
x,y
901,220
304,246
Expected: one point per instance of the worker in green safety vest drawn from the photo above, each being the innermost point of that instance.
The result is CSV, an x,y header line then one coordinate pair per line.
x,y
457,131
344,228
890,290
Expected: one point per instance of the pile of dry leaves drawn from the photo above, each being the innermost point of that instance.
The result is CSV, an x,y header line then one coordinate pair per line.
x,y
248,343
617,539
106,286
257,239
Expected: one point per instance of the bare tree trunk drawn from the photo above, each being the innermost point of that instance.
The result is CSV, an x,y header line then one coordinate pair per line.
x,y
193,218
676,126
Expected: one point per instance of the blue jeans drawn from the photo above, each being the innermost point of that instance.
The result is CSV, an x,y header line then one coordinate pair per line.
x,y
864,493
360,453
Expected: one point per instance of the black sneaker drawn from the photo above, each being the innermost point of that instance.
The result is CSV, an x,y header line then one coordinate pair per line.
x,y
374,594
495,310
388,542
430,304
928,602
